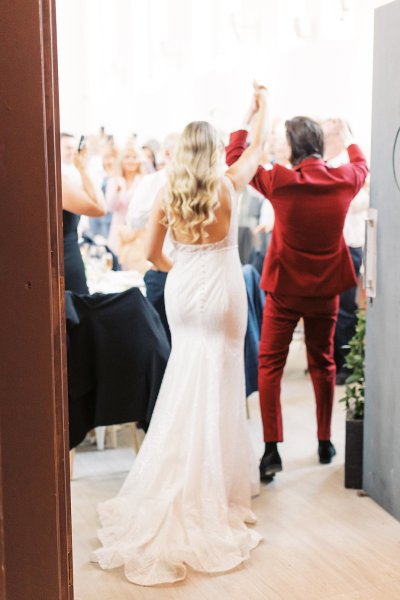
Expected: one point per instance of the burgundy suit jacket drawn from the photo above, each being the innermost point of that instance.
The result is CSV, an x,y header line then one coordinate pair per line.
x,y
307,255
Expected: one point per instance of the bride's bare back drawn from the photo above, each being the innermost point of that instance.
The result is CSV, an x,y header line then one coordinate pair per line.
x,y
216,231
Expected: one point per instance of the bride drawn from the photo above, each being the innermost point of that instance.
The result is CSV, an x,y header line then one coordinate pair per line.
x,y
187,499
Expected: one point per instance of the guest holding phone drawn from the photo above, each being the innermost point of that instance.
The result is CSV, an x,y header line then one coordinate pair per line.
x,y
80,196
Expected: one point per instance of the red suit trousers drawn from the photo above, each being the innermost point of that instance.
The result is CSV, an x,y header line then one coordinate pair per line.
x,y
281,315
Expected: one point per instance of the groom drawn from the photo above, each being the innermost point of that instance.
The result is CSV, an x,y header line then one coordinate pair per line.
x,y
306,268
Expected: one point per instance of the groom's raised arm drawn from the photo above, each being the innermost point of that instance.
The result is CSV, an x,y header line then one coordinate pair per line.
x,y
262,180
237,145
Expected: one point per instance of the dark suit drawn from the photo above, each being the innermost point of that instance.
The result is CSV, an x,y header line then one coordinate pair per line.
x,y
347,317
307,265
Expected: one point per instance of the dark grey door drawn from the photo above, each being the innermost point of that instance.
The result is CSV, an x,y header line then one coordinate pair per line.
x,y
382,419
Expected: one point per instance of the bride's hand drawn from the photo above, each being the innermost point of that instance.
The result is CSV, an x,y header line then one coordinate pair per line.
x,y
259,99
253,109
260,94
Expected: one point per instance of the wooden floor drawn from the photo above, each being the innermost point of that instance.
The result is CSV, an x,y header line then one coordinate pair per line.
x,y
321,542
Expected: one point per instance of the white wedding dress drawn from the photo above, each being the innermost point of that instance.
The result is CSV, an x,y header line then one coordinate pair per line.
x,y
187,498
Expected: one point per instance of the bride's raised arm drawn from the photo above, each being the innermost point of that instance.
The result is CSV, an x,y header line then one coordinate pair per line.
x,y
243,168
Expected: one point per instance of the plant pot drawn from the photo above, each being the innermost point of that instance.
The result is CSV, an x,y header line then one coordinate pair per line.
x,y
353,463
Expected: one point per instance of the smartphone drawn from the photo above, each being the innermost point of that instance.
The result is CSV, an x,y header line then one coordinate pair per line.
x,y
81,143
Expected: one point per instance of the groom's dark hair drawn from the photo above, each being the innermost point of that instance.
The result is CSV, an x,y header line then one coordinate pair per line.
x,y
305,138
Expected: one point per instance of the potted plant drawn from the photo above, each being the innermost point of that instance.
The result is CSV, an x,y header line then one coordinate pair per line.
x,y
354,402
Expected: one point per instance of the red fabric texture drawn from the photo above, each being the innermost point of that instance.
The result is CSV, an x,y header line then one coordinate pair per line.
x,y
307,255
281,315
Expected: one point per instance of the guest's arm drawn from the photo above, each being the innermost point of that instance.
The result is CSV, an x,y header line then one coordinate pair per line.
x,y
243,162
78,201
93,191
156,234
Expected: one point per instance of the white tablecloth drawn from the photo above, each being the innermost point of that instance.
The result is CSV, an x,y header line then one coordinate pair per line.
x,y
108,282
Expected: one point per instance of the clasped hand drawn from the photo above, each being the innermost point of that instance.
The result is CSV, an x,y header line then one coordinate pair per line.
x,y
259,99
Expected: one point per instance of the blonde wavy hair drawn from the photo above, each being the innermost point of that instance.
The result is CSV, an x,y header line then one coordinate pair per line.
x,y
193,181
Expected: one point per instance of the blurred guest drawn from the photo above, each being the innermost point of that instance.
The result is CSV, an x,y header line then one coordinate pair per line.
x,y
69,171
132,254
354,235
120,190
278,146
100,226
262,233
253,236
95,145
138,216
149,186
151,158
250,205
307,265
82,199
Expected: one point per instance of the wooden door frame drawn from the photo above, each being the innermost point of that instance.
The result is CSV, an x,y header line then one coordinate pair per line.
x,y
35,523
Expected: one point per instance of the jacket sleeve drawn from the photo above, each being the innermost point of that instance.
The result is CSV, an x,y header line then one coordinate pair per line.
x,y
262,180
358,164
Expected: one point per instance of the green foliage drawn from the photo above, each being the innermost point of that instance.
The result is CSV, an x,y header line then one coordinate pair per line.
x,y
355,363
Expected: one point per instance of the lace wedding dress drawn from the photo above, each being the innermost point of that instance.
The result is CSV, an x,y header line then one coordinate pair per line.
x,y
187,498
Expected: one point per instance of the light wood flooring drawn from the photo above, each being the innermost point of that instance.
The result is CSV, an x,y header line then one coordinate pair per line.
x,y
321,542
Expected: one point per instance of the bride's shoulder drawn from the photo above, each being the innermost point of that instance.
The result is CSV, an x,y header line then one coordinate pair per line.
x,y
227,189
228,184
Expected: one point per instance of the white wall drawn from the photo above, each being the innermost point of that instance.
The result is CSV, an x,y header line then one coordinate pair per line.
x,y
151,66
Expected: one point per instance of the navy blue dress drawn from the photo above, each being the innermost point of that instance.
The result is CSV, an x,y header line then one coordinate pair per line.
x,y
75,278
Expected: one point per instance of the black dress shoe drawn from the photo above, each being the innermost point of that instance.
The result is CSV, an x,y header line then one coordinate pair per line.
x,y
326,451
270,464
266,478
